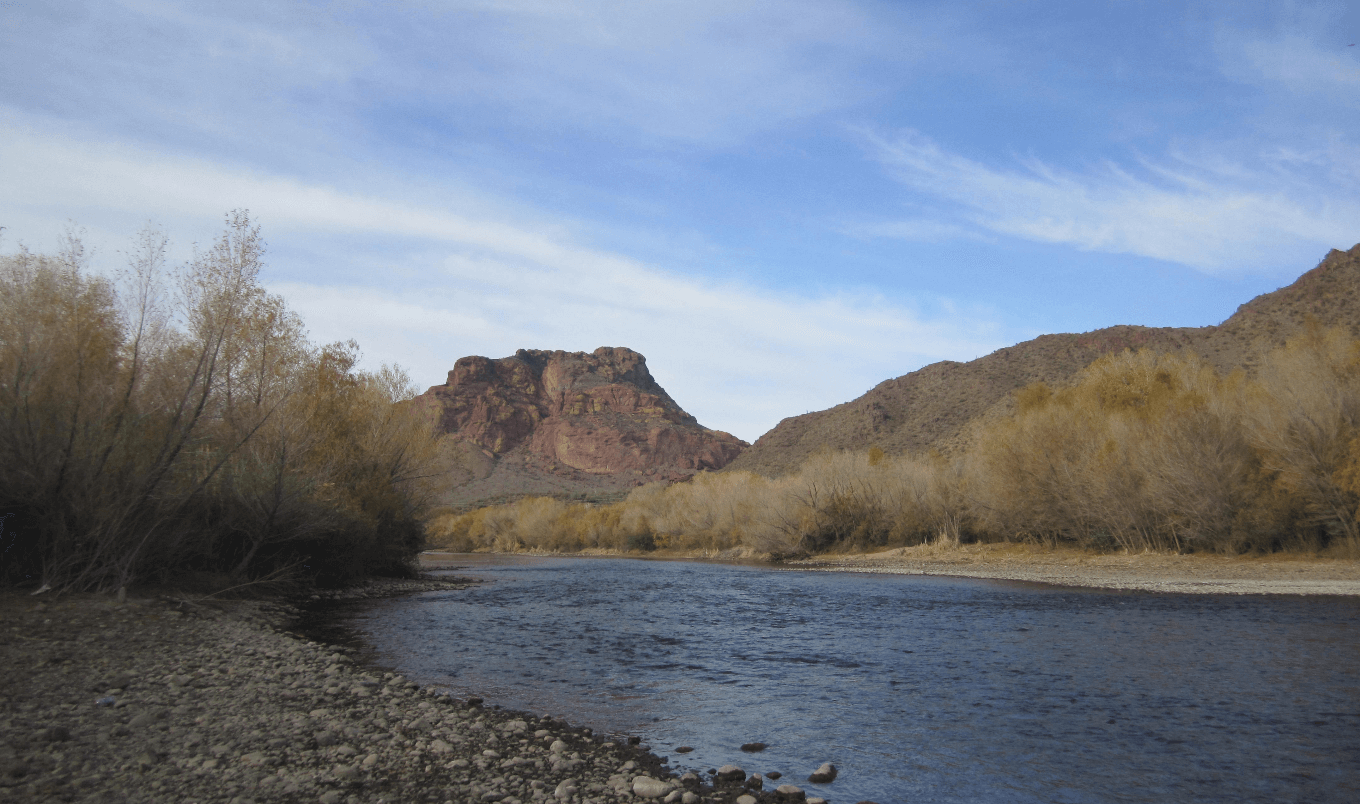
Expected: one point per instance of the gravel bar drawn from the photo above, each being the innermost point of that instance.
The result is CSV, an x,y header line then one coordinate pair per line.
x,y
1149,572
158,699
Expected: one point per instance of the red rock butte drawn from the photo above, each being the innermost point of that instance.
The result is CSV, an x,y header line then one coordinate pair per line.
x,y
563,414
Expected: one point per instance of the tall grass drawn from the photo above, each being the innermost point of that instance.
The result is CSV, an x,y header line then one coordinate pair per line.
x,y
172,421
1143,451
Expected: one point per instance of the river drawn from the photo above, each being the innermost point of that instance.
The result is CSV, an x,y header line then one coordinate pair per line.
x,y
920,689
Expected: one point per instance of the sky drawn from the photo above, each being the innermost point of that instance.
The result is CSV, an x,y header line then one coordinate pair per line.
x,y
779,204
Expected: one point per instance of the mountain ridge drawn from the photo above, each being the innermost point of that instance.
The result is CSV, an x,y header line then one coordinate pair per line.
x,y
935,407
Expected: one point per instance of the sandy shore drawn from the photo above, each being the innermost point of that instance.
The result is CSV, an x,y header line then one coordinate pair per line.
x,y
155,699
1153,572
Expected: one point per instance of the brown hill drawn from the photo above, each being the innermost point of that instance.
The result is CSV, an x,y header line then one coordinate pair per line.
x,y
569,423
932,407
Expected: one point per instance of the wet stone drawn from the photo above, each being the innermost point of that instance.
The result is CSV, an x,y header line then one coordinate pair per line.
x,y
730,773
826,773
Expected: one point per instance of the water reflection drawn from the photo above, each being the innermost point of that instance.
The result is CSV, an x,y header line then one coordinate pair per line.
x,y
920,689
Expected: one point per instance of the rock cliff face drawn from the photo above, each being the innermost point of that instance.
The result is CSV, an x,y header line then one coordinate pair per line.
x,y
572,422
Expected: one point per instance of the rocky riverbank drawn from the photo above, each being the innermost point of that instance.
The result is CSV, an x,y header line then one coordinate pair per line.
x,y
158,699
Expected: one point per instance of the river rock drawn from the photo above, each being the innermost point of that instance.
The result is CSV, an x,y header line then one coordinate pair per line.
x,y
730,773
647,787
746,799
826,773
54,734
565,789
752,748
788,792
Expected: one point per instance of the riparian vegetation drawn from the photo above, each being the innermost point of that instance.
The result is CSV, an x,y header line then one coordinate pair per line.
x,y
166,421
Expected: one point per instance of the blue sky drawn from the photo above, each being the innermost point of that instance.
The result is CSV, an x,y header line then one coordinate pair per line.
x,y
780,204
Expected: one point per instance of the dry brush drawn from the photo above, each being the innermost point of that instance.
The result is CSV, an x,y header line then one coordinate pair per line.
x,y
166,422
1143,451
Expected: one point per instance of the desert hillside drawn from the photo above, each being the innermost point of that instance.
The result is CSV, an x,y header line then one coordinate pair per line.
x,y
932,408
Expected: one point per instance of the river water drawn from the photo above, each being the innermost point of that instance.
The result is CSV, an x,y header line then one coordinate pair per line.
x,y
921,689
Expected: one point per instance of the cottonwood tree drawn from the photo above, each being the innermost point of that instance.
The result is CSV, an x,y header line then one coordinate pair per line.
x,y
179,420
1306,421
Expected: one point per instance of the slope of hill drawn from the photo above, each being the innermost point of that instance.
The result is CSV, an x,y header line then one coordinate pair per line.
x,y
570,423
931,408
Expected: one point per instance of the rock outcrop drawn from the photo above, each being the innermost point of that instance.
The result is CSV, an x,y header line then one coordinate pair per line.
x,y
567,422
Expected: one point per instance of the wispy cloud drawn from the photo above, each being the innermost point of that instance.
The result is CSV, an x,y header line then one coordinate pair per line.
x,y
1300,63
1215,215
447,284
651,74
690,70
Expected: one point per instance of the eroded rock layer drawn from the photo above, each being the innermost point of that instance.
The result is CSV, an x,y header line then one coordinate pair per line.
x,y
554,422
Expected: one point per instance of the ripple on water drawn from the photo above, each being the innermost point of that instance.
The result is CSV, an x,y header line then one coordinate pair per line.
x,y
922,689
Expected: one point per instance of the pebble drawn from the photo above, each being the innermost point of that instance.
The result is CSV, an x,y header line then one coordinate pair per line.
x,y
647,787
566,789
224,705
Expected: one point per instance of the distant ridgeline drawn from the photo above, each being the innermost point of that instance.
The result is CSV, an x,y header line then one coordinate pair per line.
x,y
568,424
932,408
1242,437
